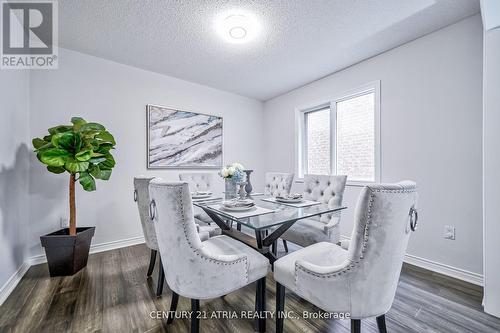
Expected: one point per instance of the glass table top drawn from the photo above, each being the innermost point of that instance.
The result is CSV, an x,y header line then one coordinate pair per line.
x,y
281,213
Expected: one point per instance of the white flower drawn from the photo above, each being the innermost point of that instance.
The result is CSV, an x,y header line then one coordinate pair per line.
x,y
224,172
231,170
238,166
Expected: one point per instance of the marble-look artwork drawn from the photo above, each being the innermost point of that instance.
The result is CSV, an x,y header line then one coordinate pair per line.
x,y
181,139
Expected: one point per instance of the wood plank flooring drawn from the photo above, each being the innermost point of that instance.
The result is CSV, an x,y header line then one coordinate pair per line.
x,y
113,295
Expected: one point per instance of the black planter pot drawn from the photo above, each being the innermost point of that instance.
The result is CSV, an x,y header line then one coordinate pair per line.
x,y
67,254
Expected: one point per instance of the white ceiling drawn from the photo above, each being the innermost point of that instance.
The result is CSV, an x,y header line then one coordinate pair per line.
x,y
301,40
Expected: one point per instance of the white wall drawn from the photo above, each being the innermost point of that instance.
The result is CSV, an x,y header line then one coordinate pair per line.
x,y
431,128
14,165
490,13
491,114
116,96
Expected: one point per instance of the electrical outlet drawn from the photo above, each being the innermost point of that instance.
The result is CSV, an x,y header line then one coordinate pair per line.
x,y
449,232
64,222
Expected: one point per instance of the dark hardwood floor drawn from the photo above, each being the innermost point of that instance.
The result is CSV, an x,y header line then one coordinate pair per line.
x,y
113,295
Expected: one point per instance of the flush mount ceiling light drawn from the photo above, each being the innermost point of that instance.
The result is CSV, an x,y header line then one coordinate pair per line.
x,y
237,27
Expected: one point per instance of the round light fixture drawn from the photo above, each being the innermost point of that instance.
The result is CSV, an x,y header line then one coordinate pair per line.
x,y
237,27
237,32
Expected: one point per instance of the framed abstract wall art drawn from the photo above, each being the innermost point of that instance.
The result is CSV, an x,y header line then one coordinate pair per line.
x,y
179,139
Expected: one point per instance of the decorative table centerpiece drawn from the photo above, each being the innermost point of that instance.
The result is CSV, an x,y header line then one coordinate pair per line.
x,y
248,186
234,177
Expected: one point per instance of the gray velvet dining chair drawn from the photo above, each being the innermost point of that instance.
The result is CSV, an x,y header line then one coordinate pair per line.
x,y
201,181
278,183
325,228
141,197
200,270
362,280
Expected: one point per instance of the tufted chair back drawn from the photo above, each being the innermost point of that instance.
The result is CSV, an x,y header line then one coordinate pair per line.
x,y
325,189
189,265
384,217
141,196
278,183
198,181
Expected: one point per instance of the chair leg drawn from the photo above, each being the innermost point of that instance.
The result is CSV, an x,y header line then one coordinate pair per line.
x,y
152,261
195,320
381,324
280,307
161,279
285,245
173,308
355,326
260,305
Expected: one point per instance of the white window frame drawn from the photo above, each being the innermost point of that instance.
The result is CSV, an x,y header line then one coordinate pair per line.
x,y
300,149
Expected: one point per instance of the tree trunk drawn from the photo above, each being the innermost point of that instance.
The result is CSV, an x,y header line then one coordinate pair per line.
x,y
72,206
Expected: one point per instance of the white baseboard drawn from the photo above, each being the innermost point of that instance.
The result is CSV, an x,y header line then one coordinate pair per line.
x,y
116,244
454,272
12,282
441,268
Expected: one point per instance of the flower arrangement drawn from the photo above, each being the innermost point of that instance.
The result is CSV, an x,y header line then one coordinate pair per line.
x,y
233,172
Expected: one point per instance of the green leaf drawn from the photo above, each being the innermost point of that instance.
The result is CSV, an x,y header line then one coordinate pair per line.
x,y
60,129
99,174
48,145
97,159
87,181
54,157
38,143
108,164
77,123
64,140
105,137
93,170
75,166
92,143
55,169
89,135
84,155
104,148
105,174
92,127
78,142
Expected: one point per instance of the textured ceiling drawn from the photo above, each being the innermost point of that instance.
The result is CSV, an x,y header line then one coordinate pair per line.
x,y
301,40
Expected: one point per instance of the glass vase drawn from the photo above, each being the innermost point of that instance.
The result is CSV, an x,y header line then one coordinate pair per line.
x,y
231,189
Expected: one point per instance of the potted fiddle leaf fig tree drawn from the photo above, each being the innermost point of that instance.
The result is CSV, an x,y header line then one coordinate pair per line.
x,y
82,150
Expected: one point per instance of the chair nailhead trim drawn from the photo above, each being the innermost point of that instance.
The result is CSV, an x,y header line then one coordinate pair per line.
x,y
365,239
196,251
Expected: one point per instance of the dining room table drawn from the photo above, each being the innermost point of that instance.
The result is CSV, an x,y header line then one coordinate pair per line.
x,y
268,219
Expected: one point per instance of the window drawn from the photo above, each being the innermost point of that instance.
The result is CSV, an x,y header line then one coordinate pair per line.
x,y
341,136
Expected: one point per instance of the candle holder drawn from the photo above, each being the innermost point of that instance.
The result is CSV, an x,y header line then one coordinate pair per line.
x,y
248,186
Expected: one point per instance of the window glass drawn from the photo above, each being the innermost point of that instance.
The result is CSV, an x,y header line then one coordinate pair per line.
x,y
318,141
355,139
